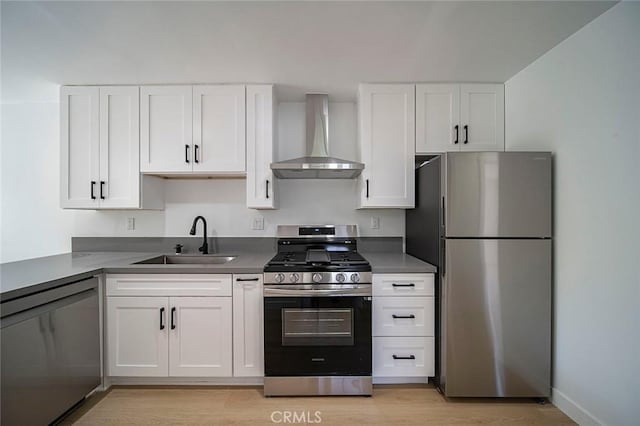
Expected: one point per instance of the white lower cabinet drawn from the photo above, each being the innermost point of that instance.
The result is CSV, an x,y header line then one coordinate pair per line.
x,y
403,356
403,327
178,333
137,336
248,335
200,336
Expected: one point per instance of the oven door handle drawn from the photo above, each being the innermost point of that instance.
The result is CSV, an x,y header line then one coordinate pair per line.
x,y
299,292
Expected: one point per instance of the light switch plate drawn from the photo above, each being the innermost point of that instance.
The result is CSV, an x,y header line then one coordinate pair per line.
x,y
375,222
258,223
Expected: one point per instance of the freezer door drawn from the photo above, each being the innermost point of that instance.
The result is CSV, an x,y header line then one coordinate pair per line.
x,y
497,318
498,194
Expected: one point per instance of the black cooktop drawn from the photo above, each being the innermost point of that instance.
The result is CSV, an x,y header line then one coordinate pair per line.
x,y
310,256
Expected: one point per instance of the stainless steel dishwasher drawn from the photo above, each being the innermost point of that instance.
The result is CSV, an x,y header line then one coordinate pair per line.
x,y
50,352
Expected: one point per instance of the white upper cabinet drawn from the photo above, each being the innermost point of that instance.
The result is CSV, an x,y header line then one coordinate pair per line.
x,y
459,117
197,130
482,117
219,129
387,145
119,147
80,146
166,129
437,117
100,148
260,138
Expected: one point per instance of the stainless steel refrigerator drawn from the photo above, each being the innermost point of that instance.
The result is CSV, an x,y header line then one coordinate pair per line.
x,y
485,219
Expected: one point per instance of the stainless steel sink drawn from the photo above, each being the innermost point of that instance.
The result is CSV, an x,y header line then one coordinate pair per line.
x,y
185,259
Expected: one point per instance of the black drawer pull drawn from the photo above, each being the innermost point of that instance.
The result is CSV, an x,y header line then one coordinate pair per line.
x,y
161,318
195,153
466,134
186,153
403,316
102,190
173,320
367,188
403,285
456,127
404,357
93,183
248,279
267,189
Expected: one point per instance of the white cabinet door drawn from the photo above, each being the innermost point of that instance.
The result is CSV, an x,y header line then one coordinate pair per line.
x,y
482,117
387,145
137,336
437,118
260,119
201,336
119,185
79,137
166,129
219,129
248,337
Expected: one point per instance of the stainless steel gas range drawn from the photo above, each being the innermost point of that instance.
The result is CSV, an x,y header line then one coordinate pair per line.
x,y
317,314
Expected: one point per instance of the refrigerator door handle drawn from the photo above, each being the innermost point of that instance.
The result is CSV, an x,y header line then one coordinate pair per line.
x,y
443,214
443,250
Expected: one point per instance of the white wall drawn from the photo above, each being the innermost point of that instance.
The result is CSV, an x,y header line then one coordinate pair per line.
x,y
581,100
34,224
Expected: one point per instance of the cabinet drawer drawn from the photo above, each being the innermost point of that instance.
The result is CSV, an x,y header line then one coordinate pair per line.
x,y
403,316
169,285
403,285
403,357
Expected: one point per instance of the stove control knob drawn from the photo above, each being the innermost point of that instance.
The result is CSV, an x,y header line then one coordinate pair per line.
x,y
340,277
316,278
278,278
294,278
355,278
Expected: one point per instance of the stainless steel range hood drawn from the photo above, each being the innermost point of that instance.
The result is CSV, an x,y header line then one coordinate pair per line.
x,y
317,164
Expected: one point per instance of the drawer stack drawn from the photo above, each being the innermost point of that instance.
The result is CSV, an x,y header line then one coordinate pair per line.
x,y
403,327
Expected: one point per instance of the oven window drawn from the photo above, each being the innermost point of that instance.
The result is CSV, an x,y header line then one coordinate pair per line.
x,y
317,327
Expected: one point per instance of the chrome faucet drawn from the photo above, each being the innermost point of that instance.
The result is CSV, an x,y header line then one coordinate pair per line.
x,y
205,247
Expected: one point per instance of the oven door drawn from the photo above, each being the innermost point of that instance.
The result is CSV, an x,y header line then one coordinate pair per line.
x,y
311,335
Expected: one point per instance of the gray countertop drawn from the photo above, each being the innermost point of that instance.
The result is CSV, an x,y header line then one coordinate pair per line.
x,y
396,263
25,277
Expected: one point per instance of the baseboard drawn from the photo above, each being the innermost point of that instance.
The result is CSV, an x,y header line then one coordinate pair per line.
x,y
186,381
399,380
574,410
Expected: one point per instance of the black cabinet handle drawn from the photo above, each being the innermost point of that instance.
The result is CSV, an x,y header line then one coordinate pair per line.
x,y
367,188
173,319
403,316
186,153
247,279
404,357
195,153
93,183
456,127
102,190
466,134
267,189
403,285
161,318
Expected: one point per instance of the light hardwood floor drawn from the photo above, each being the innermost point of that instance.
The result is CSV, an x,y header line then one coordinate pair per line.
x,y
390,405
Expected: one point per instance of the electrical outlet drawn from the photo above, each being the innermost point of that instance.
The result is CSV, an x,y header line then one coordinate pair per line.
x,y
131,223
375,222
258,223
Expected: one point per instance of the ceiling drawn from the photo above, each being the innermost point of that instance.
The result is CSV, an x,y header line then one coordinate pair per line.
x,y
301,46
